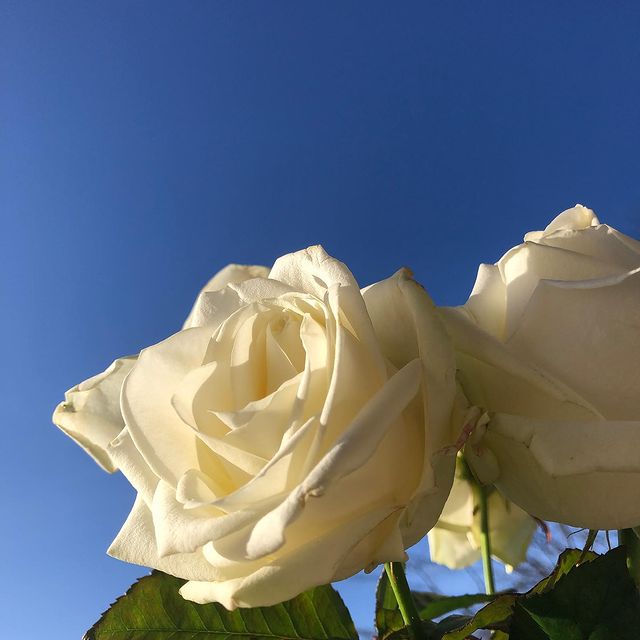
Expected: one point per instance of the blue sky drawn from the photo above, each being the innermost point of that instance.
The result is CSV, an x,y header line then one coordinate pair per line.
x,y
145,145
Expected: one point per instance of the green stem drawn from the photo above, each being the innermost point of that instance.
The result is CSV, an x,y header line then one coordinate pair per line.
x,y
406,603
630,540
485,540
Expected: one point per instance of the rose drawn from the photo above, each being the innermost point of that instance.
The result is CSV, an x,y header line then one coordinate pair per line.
x,y
549,344
296,431
455,540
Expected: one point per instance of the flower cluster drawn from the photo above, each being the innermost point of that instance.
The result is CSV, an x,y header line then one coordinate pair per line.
x,y
299,429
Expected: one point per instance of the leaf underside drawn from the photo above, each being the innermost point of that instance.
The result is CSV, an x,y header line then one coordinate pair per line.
x,y
152,609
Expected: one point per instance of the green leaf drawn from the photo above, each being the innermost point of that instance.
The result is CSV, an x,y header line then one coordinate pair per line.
x,y
596,600
567,560
495,615
433,605
153,609
431,630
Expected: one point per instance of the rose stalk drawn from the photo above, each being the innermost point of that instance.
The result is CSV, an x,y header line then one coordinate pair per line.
x,y
406,603
485,539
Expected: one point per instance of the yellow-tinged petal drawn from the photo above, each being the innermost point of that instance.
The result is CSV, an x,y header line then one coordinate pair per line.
x,y
585,474
90,413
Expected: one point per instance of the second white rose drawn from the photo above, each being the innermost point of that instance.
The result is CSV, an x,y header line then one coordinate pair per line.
x,y
549,344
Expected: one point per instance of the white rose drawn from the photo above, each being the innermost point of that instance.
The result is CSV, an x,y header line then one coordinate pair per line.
x,y
296,431
455,540
549,344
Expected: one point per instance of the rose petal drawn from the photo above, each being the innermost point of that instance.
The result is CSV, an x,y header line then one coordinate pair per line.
x,y
427,504
458,510
261,290
284,355
275,477
313,271
584,474
128,459
578,217
588,335
510,530
526,265
349,453
354,380
601,242
494,377
206,308
316,562
135,543
90,413
182,530
261,426
197,489
166,443
407,326
451,547
487,302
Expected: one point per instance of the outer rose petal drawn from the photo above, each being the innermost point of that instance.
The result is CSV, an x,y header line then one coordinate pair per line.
x,y
314,563
90,413
487,302
136,543
407,326
494,377
167,444
425,508
133,466
585,474
526,266
588,335
602,242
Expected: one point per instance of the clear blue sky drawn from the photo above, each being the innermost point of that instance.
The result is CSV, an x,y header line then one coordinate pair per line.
x,y
144,145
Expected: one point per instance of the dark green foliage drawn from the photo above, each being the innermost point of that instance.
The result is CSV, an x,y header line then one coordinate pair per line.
x,y
153,609
586,597
434,605
567,560
597,600
496,615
